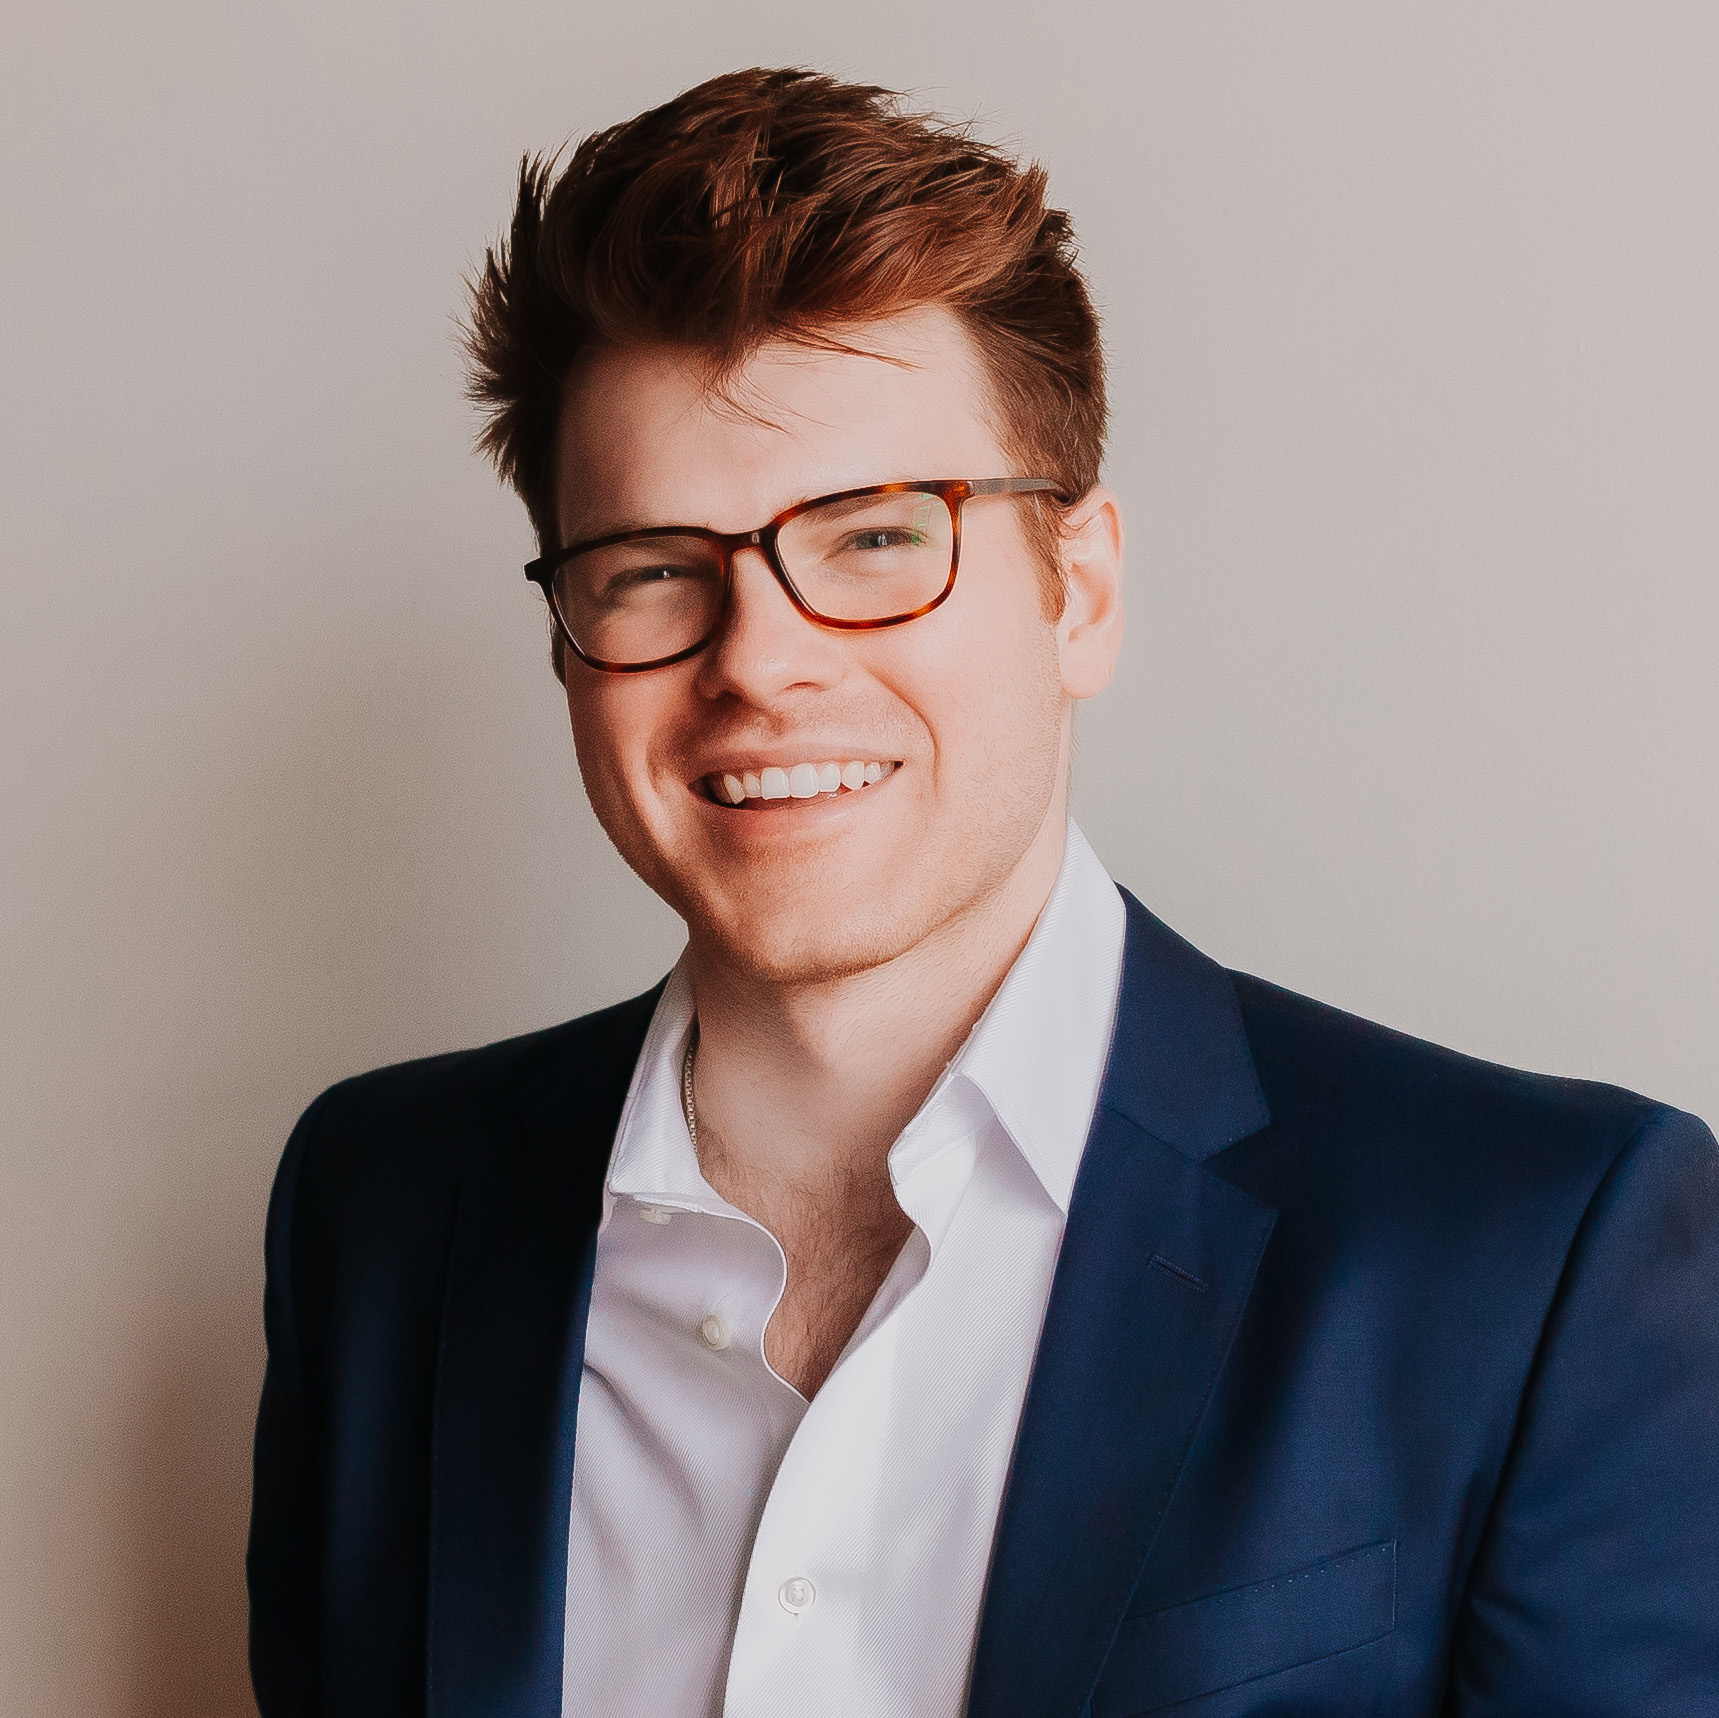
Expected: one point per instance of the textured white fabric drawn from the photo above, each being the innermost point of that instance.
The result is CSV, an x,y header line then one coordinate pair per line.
x,y
737,1550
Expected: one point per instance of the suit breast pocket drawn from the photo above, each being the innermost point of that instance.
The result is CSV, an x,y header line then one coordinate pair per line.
x,y
1236,1636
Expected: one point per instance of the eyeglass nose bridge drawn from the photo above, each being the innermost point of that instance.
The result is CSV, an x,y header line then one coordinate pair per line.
x,y
763,539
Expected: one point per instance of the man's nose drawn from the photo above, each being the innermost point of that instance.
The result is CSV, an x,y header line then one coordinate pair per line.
x,y
765,646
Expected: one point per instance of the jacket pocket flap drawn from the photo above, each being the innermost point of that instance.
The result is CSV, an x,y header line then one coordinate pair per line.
x,y
1232,1637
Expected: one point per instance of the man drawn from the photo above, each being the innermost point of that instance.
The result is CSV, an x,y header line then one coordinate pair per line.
x,y
948,1292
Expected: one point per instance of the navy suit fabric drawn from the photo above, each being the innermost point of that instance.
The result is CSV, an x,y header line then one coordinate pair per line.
x,y
1374,1380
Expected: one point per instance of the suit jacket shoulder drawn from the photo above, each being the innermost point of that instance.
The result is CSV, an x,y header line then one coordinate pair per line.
x,y
438,1115
1452,1145
1309,1052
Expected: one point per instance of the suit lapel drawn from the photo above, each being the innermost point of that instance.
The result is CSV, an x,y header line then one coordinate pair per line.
x,y
1157,1262
507,1382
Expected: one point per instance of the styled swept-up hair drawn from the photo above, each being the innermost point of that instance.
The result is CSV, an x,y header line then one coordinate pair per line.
x,y
783,205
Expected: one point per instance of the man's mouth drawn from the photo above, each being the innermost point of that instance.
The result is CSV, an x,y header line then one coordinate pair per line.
x,y
754,788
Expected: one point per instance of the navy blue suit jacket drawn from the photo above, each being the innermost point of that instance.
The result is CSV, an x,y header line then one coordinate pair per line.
x,y
1373,1380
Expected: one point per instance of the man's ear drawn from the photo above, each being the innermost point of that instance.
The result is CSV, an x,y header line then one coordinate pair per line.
x,y
1089,633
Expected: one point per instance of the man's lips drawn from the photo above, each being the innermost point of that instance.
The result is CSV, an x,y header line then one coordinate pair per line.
x,y
750,790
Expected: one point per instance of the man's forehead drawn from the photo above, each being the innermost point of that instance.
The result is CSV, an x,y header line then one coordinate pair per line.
x,y
648,432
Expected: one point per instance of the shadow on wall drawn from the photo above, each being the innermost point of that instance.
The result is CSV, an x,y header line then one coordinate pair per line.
x,y
188,1497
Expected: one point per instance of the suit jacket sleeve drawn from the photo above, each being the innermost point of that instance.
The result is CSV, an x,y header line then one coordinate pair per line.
x,y
1596,1590
282,1561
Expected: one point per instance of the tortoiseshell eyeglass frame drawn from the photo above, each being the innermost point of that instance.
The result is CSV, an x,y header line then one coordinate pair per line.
x,y
953,491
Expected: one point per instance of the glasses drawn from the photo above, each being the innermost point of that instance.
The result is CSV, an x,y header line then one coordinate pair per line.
x,y
857,560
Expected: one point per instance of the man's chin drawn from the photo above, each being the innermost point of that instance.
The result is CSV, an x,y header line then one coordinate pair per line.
x,y
794,956
805,942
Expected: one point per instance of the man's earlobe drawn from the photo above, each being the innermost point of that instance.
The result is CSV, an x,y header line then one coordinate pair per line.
x,y
1089,634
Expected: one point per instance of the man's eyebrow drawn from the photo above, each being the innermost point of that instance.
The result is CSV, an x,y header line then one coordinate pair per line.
x,y
588,531
623,524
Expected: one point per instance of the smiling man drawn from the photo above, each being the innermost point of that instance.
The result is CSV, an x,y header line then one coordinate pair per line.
x,y
948,1291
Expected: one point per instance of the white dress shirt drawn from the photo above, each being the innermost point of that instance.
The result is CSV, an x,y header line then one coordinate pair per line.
x,y
737,1550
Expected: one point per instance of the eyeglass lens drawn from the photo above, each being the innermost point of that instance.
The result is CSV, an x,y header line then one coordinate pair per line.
x,y
863,558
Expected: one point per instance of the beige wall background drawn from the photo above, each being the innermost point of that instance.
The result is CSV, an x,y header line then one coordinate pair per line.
x,y
1412,312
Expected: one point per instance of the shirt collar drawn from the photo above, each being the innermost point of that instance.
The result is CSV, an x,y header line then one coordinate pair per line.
x,y
1037,1055
653,1153
1039,1050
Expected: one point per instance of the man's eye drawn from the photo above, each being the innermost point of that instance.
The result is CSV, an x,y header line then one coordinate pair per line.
x,y
642,578
886,537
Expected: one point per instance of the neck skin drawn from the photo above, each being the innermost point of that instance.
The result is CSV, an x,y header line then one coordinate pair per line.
x,y
802,1090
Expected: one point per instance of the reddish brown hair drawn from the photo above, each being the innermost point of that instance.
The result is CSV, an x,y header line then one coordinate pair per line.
x,y
780,205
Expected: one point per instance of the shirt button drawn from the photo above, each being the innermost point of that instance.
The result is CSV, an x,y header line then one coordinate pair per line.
x,y
714,1332
797,1595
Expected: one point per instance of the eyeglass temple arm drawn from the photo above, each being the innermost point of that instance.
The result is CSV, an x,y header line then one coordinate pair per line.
x,y
1009,485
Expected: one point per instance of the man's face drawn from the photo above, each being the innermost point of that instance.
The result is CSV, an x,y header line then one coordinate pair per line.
x,y
967,710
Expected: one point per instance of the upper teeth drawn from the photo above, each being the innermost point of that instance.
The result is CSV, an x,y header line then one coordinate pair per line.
x,y
801,781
